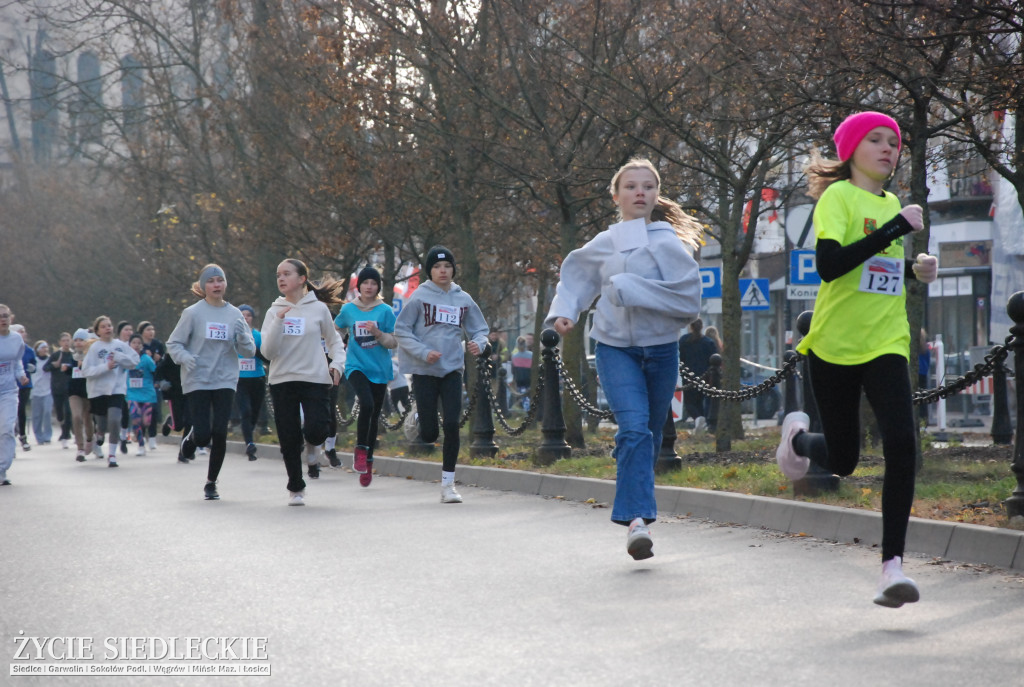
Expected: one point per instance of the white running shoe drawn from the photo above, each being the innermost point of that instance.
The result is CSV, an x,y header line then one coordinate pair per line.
x,y
141,451
639,544
895,588
202,451
151,444
792,465
449,494
64,443
700,426
296,498
97,449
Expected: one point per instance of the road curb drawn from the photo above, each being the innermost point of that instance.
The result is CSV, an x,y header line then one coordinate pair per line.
x,y
936,538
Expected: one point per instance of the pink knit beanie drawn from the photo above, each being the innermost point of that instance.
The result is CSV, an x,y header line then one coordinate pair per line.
x,y
854,128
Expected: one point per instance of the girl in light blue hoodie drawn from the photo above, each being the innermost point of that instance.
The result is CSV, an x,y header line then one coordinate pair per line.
x,y
648,288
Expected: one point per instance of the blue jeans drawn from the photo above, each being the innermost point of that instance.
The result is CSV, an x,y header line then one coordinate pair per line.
x,y
639,382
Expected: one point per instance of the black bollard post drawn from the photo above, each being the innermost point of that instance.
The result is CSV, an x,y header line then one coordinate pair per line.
x,y
667,458
553,447
817,479
715,380
483,424
1002,430
1015,309
791,404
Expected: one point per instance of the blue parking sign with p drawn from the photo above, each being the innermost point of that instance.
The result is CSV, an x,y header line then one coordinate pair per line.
x,y
803,268
710,282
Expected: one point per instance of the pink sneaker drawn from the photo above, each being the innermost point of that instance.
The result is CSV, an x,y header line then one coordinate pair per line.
x,y
367,477
359,461
792,465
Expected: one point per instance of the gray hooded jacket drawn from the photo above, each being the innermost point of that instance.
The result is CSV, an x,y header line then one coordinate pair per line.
x,y
647,294
433,320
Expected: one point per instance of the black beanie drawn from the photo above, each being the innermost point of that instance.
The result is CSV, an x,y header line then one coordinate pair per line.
x,y
369,273
438,253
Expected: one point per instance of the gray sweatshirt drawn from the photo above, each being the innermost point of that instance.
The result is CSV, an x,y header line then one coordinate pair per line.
x,y
433,320
647,293
206,344
12,348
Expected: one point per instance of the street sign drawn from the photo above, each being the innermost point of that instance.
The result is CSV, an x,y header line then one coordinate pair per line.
x,y
754,294
800,292
803,268
710,282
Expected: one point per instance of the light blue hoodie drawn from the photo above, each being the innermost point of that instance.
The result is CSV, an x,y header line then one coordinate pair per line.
x,y
647,294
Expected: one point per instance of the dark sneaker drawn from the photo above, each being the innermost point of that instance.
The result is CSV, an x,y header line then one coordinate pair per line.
x,y
111,463
25,445
314,470
332,457
124,446
166,428
187,449
210,491
80,456
250,450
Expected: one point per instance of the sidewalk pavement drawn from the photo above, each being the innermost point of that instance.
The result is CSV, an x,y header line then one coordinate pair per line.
x,y
936,538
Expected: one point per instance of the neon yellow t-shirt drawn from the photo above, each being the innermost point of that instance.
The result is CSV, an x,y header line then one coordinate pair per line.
x,y
862,314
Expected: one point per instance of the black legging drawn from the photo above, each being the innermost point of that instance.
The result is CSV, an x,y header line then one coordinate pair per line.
x,y
427,389
371,402
886,383
250,400
24,394
210,410
63,410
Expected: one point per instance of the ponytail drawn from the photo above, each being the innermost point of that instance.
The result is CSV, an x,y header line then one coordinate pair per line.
x,y
328,290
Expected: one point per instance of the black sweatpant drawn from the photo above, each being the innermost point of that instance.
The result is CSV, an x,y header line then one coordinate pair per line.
x,y
427,389
292,432
371,402
250,400
210,410
886,383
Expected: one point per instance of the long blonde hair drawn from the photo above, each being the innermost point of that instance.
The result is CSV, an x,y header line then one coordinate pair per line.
x,y
822,172
687,228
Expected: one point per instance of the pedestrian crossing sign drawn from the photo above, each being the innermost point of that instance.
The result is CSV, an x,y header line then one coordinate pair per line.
x,y
754,294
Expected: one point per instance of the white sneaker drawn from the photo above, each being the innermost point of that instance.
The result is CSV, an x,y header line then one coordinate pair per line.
x,y
700,426
64,443
450,495
639,544
141,451
97,449
296,498
792,465
151,444
895,588
202,451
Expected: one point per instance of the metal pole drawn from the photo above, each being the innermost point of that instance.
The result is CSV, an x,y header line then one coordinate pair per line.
x,y
1015,309
553,447
483,424
1002,430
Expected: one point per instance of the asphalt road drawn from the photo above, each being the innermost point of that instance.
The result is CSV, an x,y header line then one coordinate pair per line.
x,y
387,586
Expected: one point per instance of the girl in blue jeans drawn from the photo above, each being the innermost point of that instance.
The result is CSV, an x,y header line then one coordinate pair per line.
x,y
649,287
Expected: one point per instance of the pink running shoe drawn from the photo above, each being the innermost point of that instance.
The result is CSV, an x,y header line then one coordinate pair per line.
x,y
359,461
367,477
